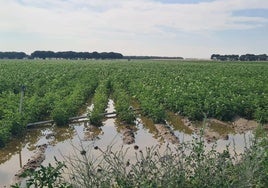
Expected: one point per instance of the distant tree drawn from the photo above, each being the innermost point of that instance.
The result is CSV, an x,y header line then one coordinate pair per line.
x,y
111,55
246,57
95,55
150,57
242,58
39,54
233,57
13,55
116,55
215,56
61,55
262,57
224,57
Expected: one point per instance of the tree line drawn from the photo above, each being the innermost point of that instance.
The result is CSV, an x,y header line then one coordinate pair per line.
x,y
151,57
13,55
60,55
246,57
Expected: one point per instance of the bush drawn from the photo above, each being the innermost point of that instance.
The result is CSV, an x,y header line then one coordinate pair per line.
x,y
49,176
189,165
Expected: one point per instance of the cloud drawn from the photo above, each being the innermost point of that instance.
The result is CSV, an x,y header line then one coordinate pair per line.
x,y
138,16
126,21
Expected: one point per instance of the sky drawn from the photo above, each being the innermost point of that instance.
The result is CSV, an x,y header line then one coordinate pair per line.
x,y
185,28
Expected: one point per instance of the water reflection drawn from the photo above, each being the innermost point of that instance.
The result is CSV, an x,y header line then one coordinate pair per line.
x,y
19,150
92,132
221,129
69,140
149,124
17,144
177,123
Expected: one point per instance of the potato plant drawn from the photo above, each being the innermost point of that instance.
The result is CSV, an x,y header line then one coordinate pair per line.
x,y
100,101
57,89
122,100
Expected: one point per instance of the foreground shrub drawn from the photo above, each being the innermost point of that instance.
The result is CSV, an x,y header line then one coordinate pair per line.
x,y
189,165
50,176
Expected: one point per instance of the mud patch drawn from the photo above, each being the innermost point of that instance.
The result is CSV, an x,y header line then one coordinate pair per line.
x,y
212,136
178,123
92,133
215,129
50,135
128,135
166,133
127,131
33,163
212,129
242,125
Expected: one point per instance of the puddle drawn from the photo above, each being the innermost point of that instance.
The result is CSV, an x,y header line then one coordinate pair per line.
x,y
177,123
149,125
221,129
62,141
237,141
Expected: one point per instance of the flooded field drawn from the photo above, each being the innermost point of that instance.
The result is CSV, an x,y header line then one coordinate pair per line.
x,y
65,141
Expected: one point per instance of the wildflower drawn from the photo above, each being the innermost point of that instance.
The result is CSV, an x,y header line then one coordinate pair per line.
x,y
136,147
83,152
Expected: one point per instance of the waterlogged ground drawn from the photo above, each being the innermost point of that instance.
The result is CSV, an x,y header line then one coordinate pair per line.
x,y
67,141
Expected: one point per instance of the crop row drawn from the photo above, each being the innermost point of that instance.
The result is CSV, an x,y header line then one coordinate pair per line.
x,y
52,92
196,90
122,100
58,89
100,101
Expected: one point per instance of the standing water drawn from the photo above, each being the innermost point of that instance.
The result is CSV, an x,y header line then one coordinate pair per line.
x,y
65,141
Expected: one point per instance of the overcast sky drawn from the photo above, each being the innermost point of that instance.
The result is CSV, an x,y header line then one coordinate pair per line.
x,y
187,28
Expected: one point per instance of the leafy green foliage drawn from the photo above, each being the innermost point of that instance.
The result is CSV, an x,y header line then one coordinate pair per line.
x,y
123,107
4,132
53,90
60,115
48,176
58,89
100,101
190,164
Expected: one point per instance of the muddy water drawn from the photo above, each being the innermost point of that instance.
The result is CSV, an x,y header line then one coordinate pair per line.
x,y
66,141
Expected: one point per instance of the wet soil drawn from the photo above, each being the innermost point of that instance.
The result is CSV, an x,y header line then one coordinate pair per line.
x,y
33,163
166,133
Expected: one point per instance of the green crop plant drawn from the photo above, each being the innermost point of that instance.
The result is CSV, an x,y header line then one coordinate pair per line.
x,y
57,89
100,100
122,100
